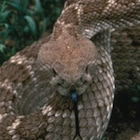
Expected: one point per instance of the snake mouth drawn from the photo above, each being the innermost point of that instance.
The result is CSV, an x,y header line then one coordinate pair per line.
x,y
64,87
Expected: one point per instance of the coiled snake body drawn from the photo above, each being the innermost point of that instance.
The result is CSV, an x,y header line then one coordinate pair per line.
x,y
35,84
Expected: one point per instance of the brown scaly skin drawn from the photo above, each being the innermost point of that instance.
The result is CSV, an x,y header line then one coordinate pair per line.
x,y
126,58
35,83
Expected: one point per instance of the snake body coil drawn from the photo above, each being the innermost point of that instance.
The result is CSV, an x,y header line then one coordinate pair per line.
x,y
35,84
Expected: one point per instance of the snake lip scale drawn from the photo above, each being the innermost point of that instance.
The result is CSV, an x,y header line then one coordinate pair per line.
x,y
35,85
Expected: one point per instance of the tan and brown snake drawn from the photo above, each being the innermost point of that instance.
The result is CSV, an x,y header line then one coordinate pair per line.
x,y
35,84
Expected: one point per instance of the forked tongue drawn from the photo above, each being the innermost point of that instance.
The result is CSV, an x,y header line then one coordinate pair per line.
x,y
75,104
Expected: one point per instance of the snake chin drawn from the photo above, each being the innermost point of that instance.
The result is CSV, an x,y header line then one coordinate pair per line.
x,y
66,92
64,87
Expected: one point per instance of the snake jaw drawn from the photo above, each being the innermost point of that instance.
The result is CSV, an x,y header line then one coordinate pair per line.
x,y
64,87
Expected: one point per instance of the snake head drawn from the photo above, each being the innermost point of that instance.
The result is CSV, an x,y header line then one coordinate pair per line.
x,y
69,57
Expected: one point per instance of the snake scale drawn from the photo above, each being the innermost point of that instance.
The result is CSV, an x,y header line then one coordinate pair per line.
x,y
35,84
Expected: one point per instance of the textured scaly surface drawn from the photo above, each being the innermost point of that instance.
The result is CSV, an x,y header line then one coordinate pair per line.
x,y
35,100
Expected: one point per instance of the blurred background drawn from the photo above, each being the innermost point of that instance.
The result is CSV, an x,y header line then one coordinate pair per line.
x,y
24,21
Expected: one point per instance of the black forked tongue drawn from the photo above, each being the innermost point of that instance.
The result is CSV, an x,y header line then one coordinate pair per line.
x,y
75,104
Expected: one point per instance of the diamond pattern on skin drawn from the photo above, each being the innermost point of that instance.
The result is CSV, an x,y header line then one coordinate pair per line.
x,y
31,104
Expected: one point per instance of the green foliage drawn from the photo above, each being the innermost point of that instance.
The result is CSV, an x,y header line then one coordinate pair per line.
x,y
24,21
54,7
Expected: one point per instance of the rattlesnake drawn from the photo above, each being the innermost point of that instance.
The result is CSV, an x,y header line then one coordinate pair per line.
x,y
35,84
